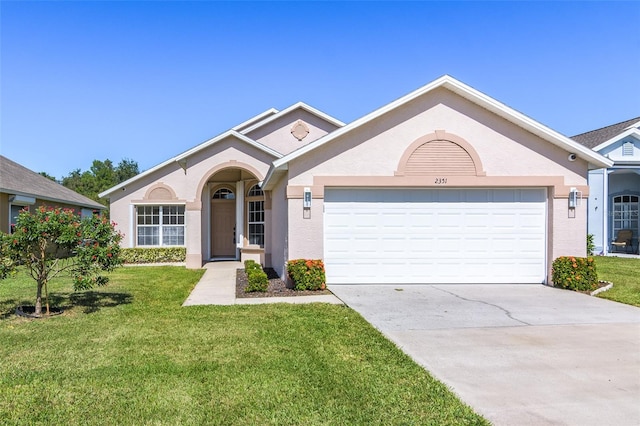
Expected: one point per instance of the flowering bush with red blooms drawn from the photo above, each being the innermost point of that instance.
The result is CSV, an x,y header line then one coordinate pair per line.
x,y
575,273
307,274
51,241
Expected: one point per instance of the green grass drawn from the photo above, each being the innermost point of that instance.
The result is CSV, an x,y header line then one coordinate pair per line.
x,y
128,353
624,273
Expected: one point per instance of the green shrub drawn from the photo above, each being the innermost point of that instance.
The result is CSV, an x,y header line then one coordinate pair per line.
x,y
250,265
153,254
258,280
575,273
307,274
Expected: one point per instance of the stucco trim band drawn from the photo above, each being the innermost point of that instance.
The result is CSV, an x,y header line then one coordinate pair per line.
x,y
559,189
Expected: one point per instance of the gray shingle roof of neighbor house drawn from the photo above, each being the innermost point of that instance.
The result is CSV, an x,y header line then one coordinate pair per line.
x,y
17,179
594,138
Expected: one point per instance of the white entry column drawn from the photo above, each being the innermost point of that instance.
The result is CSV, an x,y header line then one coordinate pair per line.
x,y
239,217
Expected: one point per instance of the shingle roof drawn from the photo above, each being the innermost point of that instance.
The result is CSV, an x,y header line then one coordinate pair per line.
x,y
594,138
15,178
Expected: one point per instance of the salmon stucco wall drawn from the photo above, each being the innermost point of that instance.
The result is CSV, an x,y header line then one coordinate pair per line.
x,y
370,156
278,245
376,148
569,237
305,229
277,134
189,185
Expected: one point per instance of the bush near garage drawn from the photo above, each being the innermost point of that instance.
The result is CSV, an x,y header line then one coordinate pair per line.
x,y
307,274
257,278
575,273
153,254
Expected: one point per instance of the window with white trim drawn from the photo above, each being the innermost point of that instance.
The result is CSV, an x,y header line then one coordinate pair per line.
x,y
160,225
625,214
255,216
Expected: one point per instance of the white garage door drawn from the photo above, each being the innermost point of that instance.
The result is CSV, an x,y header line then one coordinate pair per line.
x,y
393,236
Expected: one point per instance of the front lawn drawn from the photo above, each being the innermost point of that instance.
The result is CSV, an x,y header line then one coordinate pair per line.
x,y
624,273
129,353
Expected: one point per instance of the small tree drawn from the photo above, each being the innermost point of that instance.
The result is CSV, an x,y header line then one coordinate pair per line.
x,y
51,241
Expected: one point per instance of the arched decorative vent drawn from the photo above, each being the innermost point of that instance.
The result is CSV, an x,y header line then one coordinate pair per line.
x,y
160,194
440,154
224,194
440,157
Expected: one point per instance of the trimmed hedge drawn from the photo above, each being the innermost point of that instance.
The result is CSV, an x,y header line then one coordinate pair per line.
x,y
251,265
258,280
153,254
307,274
575,273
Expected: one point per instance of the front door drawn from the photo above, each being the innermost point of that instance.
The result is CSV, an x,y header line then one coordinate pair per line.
x,y
223,223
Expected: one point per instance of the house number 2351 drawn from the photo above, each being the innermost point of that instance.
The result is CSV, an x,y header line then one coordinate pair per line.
x,y
441,181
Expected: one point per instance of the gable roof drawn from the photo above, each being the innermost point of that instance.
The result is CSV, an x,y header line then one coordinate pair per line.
x,y
238,132
594,138
279,166
17,179
299,105
181,157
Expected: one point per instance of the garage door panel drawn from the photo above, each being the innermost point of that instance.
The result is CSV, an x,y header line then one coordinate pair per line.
x,y
430,235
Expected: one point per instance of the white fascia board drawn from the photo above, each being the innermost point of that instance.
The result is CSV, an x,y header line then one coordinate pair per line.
x,y
228,133
528,123
634,126
357,123
299,105
474,96
253,120
632,131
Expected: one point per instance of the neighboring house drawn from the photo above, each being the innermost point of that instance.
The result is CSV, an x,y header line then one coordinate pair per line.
x,y
442,185
615,190
22,188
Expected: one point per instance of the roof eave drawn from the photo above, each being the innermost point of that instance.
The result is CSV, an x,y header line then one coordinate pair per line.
x,y
186,154
298,105
255,119
53,199
632,131
472,95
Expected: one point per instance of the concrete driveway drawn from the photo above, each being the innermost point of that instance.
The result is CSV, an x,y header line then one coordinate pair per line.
x,y
518,354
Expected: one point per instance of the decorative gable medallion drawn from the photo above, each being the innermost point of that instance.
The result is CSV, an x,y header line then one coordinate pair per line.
x,y
299,130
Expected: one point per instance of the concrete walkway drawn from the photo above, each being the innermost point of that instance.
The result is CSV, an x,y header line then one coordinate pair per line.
x,y
218,287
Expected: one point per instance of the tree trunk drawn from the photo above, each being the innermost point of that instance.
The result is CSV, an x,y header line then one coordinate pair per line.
x,y
39,299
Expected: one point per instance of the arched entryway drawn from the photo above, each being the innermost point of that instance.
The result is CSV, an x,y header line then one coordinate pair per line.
x,y
235,214
223,223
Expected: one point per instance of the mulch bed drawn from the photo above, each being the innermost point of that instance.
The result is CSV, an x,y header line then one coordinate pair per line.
x,y
277,287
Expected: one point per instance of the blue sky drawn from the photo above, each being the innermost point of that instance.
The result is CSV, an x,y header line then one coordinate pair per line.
x,y
148,80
